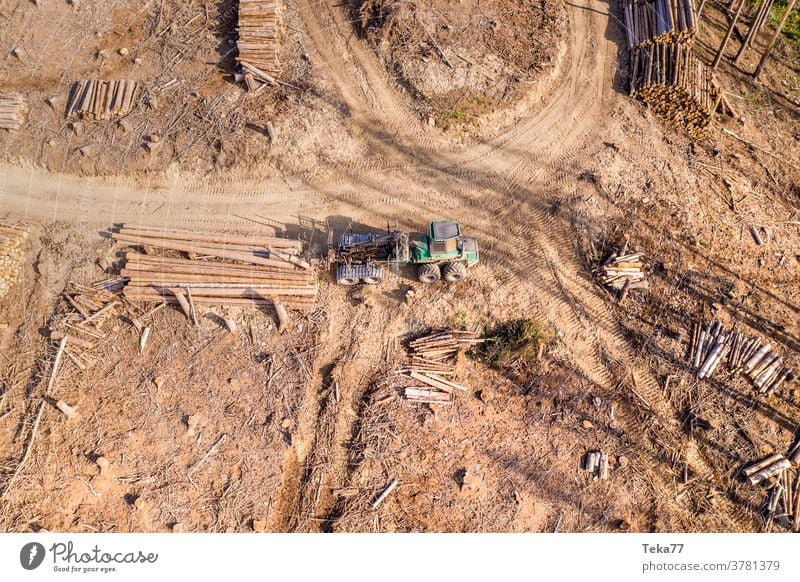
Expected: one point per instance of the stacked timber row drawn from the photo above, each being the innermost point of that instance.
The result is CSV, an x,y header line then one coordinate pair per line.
x,y
98,99
711,345
434,361
259,40
676,86
13,110
662,21
13,235
215,269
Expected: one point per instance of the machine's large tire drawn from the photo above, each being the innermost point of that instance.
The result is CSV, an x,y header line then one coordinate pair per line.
x,y
372,280
428,273
454,272
347,281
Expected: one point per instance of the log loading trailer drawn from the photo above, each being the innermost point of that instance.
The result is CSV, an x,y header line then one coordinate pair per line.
x,y
442,253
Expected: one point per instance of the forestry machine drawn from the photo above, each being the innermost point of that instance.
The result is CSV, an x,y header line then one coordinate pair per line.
x,y
442,253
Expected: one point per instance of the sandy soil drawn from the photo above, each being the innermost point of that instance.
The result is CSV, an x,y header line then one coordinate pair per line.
x,y
464,63
545,197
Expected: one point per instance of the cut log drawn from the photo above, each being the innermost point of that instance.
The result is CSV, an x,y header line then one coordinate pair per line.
x,y
769,471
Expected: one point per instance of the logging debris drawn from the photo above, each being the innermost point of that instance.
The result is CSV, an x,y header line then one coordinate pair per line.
x,y
433,362
13,236
13,110
711,344
219,269
98,99
779,475
259,30
80,328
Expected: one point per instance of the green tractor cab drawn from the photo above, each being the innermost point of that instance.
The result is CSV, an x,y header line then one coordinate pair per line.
x,y
441,254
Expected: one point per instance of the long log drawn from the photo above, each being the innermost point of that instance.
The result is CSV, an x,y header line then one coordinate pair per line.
x,y
769,471
175,234
190,248
758,465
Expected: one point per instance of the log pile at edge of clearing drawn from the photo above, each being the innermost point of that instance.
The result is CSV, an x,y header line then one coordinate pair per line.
x,y
221,269
676,86
98,99
13,110
13,236
259,29
659,21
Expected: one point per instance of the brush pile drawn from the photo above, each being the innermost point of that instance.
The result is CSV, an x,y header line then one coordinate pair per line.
x,y
80,328
215,269
676,86
13,235
434,361
711,345
259,40
659,21
13,110
778,474
97,99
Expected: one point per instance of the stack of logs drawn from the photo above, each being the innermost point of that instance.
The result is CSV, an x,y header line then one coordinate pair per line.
x,y
13,235
434,361
676,86
216,269
596,462
665,74
622,271
259,40
13,110
659,21
711,344
778,474
97,99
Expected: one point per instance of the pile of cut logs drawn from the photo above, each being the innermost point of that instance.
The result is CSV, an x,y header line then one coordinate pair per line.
x,y
13,109
434,361
711,344
664,21
216,269
596,462
778,474
676,86
98,99
13,235
259,39
622,271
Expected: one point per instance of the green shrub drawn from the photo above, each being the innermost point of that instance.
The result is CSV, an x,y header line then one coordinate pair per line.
x,y
512,343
